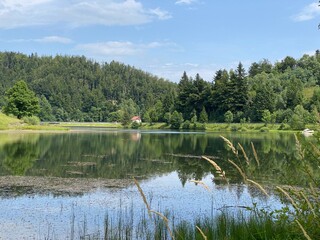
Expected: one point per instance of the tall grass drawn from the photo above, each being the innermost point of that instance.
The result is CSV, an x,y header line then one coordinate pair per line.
x,y
239,225
298,219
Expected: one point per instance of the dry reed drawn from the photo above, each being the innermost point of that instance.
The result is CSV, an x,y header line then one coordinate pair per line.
x,y
255,154
239,170
259,186
303,230
142,195
313,191
309,203
218,169
202,184
315,149
244,154
230,145
289,197
202,233
166,221
299,148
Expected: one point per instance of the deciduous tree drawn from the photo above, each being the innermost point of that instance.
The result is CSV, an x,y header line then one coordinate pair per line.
x,y
21,101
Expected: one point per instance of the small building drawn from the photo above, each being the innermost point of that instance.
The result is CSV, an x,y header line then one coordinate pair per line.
x,y
136,119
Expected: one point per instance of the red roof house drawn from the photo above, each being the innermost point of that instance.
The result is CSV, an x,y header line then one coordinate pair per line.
x,y
136,119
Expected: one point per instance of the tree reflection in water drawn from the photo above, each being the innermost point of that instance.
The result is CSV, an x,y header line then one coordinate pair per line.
x,y
123,154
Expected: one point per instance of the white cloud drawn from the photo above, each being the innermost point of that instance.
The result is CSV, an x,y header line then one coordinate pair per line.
x,y
54,39
121,48
174,71
185,2
20,13
307,13
162,15
48,39
18,4
109,48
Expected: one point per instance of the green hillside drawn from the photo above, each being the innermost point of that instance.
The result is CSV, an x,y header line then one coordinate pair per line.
x,y
76,89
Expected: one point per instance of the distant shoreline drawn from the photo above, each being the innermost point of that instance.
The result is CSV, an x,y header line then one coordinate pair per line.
x,y
209,127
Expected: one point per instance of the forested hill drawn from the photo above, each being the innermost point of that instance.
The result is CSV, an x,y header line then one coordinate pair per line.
x,y
78,89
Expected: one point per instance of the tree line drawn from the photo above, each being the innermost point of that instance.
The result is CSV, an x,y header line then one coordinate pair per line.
x,y
284,92
73,88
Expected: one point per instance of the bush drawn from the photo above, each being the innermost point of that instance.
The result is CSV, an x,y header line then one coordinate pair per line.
x,y
135,125
33,120
234,128
186,125
264,129
176,120
200,126
284,126
243,129
297,122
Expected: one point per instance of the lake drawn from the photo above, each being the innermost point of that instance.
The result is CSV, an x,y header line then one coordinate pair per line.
x,y
63,185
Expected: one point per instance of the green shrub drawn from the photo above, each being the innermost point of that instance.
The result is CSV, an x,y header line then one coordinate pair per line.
x,y
135,125
176,120
186,124
33,120
284,126
234,128
264,129
243,129
200,126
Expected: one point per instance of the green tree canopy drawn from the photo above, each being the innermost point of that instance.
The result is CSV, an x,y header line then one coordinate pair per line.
x,y
228,117
21,101
176,120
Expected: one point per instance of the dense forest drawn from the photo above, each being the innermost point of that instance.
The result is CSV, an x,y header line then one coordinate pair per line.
x,y
78,89
73,88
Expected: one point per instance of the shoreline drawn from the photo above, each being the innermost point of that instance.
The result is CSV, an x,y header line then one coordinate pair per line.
x,y
209,127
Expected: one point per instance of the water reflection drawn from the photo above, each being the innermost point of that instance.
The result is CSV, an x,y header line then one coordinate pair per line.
x,y
60,217
123,154
164,162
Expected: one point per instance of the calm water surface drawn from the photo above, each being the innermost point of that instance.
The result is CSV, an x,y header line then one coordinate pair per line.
x,y
164,163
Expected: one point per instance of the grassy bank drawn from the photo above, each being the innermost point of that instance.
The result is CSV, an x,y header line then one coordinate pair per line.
x,y
233,127
91,124
246,127
12,123
7,122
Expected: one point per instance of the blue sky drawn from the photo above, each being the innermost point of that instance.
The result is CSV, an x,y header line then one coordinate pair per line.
x,y
163,37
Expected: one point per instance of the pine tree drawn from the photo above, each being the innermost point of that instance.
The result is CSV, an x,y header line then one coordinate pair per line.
x,y
203,118
219,97
183,98
239,90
